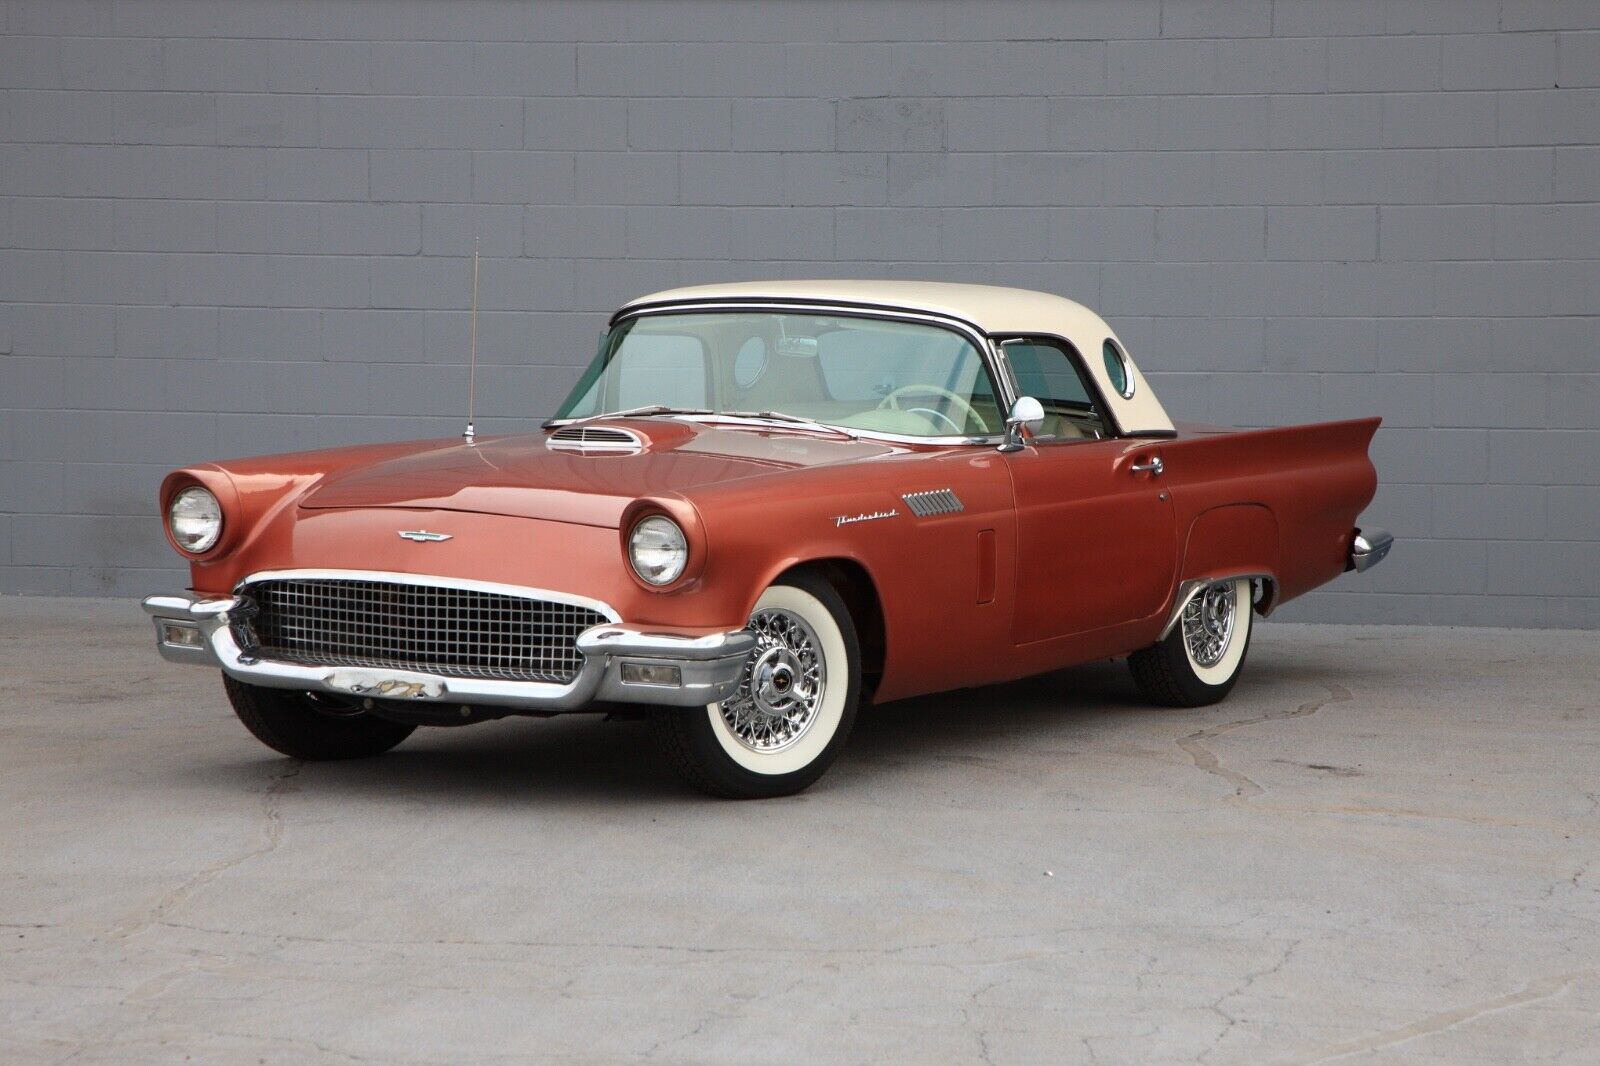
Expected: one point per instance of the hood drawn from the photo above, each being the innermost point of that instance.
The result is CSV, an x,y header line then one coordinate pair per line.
x,y
533,476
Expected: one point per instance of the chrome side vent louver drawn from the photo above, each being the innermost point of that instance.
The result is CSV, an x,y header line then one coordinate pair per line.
x,y
933,502
586,438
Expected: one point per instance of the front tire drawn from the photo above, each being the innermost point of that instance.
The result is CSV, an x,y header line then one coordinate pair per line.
x,y
1200,660
296,724
795,706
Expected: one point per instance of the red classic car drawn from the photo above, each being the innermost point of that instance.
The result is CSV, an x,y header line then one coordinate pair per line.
x,y
762,506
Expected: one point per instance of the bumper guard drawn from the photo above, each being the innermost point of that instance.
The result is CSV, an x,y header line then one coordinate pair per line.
x,y
1368,549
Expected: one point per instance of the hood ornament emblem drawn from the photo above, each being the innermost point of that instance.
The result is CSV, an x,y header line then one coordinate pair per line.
x,y
422,535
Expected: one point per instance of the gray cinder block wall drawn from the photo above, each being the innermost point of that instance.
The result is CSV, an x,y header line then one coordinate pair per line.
x,y
237,228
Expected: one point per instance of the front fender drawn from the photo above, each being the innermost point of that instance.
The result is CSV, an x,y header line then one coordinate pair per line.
x,y
944,582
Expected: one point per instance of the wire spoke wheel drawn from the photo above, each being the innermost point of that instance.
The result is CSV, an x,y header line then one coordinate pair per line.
x,y
1208,622
783,684
1197,662
794,704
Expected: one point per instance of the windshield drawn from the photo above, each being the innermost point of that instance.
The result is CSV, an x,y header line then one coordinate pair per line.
x,y
862,373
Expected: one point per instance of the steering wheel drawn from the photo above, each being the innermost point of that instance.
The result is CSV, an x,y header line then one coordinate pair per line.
x,y
892,403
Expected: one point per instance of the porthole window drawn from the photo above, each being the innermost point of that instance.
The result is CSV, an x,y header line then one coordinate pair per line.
x,y
1117,369
750,363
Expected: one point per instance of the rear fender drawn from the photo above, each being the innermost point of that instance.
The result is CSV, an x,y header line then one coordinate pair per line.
x,y
1235,540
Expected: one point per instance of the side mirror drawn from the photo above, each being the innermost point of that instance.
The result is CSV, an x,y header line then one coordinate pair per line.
x,y
1026,412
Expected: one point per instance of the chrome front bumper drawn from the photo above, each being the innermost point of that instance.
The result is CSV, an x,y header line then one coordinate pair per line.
x,y
197,631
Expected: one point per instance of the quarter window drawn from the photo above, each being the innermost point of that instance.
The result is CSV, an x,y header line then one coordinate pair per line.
x,y
1117,369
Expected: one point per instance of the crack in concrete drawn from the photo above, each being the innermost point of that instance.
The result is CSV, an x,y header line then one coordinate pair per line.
x,y
1230,1020
1206,760
272,836
1535,992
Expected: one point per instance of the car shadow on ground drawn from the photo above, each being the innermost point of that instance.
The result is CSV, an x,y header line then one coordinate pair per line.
x,y
584,758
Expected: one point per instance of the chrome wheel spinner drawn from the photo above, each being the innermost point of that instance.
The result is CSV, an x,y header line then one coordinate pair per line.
x,y
1208,623
782,686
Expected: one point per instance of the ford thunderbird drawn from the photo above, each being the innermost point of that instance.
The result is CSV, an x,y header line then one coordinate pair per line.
x,y
763,506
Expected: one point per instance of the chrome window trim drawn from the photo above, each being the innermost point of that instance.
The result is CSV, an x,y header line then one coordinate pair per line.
x,y
433,581
998,371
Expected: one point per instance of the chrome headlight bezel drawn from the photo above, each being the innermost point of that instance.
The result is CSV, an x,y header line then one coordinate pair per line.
x,y
201,511
658,534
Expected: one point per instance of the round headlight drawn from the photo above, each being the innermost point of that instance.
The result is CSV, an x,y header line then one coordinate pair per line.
x,y
195,519
658,550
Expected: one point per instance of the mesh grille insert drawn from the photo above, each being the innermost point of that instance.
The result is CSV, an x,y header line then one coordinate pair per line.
x,y
434,629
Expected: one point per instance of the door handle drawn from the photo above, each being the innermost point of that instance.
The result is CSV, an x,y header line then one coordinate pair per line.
x,y
1155,466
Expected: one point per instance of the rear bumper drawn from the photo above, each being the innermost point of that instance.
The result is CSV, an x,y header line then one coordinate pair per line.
x,y
708,667
1368,549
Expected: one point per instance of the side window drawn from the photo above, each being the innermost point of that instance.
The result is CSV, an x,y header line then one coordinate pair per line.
x,y
1049,373
663,368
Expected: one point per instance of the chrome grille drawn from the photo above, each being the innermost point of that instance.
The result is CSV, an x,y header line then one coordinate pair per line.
x,y
435,629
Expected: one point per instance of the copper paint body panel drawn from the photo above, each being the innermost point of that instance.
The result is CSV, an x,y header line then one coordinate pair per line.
x,y
1060,554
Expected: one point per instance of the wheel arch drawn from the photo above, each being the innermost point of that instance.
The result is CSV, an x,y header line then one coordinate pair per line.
x,y
855,585
1232,540
1236,540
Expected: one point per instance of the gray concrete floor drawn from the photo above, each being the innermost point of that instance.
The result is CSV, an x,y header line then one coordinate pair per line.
x,y
1383,847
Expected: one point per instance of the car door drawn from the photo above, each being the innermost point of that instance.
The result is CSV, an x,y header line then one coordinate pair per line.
x,y
1096,534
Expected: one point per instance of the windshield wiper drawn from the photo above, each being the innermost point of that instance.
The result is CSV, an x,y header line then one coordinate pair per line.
x,y
647,411
801,420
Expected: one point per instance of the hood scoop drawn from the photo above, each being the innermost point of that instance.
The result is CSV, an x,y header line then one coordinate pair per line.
x,y
605,440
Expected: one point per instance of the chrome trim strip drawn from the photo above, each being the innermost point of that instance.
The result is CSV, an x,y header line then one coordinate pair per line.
x,y
624,640
433,581
710,664
826,427
1369,548
1188,589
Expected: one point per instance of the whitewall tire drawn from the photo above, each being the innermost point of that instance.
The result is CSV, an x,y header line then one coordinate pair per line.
x,y
1200,660
795,705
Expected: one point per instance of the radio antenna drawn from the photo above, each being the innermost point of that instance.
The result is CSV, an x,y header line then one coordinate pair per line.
x,y
470,436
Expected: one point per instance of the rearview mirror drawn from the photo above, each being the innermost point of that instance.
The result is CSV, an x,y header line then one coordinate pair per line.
x,y
1025,413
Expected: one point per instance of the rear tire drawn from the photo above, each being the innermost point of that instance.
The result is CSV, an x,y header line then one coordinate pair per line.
x,y
1200,660
795,705
293,724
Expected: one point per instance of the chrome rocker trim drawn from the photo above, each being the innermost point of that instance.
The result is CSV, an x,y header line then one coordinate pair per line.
x,y
709,666
1369,548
